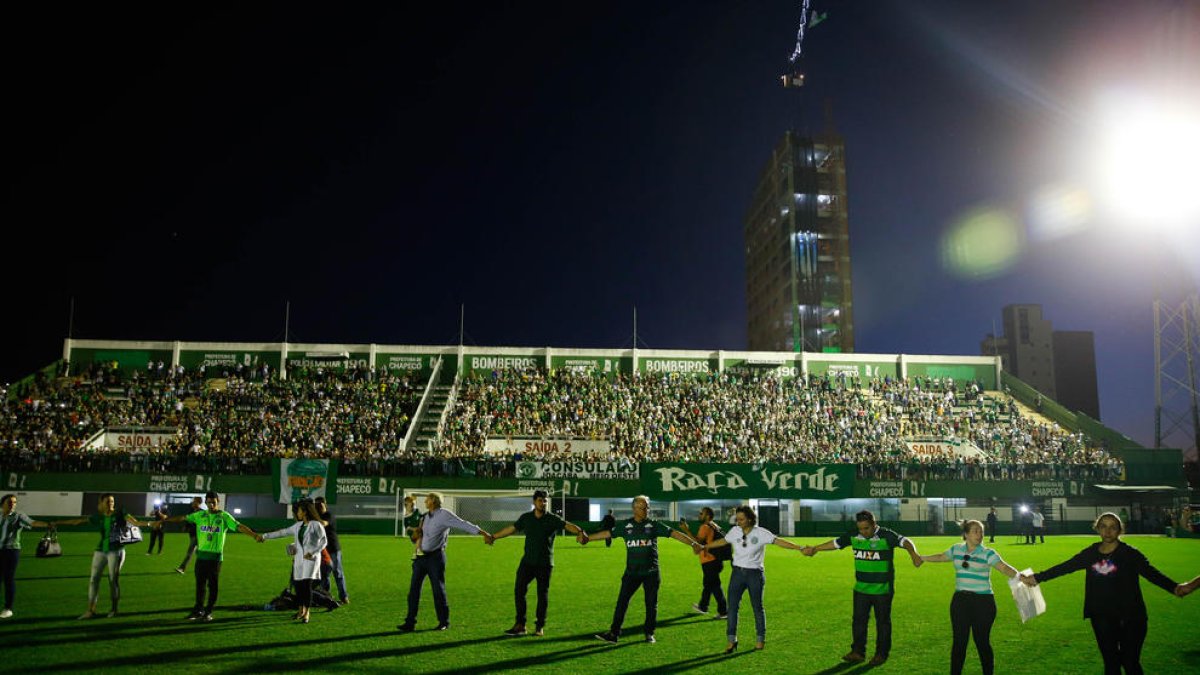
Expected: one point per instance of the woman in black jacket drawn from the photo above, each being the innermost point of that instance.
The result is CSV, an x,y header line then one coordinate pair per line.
x,y
1112,596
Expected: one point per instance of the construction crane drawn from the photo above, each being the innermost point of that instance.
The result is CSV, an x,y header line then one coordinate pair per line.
x,y
809,18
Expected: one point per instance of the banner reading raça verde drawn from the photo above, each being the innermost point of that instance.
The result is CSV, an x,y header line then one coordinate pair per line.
x,y
296,479
679,482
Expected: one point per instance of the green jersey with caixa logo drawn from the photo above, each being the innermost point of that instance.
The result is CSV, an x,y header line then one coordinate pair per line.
x,y
874,567
211,529
641,545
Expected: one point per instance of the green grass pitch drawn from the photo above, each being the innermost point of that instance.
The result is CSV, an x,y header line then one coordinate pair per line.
x,y
808,604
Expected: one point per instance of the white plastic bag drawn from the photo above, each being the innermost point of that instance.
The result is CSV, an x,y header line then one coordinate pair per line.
x,y
1030,602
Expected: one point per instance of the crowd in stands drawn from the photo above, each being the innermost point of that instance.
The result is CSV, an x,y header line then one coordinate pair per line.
x,y
241,417
234,420
748,418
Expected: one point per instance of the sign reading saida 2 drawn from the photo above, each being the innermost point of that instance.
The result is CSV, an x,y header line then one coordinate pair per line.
x,y
678,482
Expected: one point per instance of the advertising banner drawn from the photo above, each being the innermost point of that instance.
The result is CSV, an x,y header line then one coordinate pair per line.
x,y
402,363
681,366
621,470
679,482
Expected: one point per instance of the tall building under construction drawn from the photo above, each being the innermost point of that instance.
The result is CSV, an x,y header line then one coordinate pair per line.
x,y
798,292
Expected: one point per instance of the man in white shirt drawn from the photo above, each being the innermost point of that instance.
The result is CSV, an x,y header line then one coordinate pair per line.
x,y
1039,522
433,532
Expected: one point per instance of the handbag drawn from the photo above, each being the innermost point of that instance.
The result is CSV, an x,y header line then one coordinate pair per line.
x,y
124,533
49,547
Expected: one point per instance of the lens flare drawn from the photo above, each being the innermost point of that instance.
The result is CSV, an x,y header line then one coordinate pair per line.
x,y
982,244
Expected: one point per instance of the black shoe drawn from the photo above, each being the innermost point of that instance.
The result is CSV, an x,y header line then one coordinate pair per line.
x,y
406,627
207,617
518,629
607,636
443,626
650,638
731,648
196,614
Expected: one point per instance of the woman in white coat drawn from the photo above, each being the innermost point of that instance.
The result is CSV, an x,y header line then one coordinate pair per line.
x,y
310,540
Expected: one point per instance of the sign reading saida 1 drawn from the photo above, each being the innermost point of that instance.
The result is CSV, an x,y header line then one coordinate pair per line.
x,y
678,482
297,479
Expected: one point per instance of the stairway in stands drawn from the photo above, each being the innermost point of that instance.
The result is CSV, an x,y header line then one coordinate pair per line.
x,y
440,398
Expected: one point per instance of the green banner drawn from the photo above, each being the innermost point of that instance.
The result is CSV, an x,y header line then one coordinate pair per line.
x,y
328,360
973,489
215,360
135,482
486,363
865,370
127,360
296,479
679,365
398,364
600,365
781,369
680,482
959,372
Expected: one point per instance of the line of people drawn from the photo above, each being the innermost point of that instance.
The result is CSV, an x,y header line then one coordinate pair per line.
x,y
314,534
1113,599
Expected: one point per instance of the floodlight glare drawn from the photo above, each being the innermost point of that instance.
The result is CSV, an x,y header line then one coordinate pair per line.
x,y
1146,159
1024,509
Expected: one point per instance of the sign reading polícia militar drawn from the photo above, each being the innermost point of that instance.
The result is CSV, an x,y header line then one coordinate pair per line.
x,y
619,470
678,482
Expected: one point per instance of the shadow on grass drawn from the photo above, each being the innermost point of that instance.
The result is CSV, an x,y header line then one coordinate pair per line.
x,y
339,661
116,629
1192,657
694,662
85,576
160,659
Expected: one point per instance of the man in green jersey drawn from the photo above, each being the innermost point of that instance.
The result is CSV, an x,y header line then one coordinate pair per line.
x,y
211,527
641,564
875,575
540,527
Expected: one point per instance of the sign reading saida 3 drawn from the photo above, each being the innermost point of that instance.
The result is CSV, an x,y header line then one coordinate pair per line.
x,y
706,481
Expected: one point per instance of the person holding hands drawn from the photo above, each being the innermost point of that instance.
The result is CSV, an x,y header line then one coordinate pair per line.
x,y
1112,596
541,528
310,540
973,607
640,534
875,577
749,542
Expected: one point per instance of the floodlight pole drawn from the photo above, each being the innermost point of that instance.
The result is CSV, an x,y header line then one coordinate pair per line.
x,y
1176,338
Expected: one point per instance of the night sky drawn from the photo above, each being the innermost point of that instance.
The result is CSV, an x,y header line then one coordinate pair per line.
x,y
181,171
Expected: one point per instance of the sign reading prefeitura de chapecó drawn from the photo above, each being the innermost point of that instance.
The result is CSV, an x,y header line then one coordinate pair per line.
x,y
678,482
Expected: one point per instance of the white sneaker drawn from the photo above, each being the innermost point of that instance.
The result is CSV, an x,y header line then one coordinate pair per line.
x,y
696,609
6,614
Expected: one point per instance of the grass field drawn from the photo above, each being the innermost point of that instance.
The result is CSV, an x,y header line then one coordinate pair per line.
x,y
808,603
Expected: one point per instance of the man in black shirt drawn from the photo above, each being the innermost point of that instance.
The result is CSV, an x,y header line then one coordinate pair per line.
x,y
540,527
334,547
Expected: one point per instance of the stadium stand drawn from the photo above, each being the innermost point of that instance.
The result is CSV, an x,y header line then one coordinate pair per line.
x,y
238,419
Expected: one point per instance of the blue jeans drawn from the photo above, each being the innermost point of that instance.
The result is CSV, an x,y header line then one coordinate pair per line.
x,y
338,575
9,557
432,565
740,581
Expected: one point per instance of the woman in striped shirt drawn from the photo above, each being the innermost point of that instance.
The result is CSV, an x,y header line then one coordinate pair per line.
x,y
973,609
